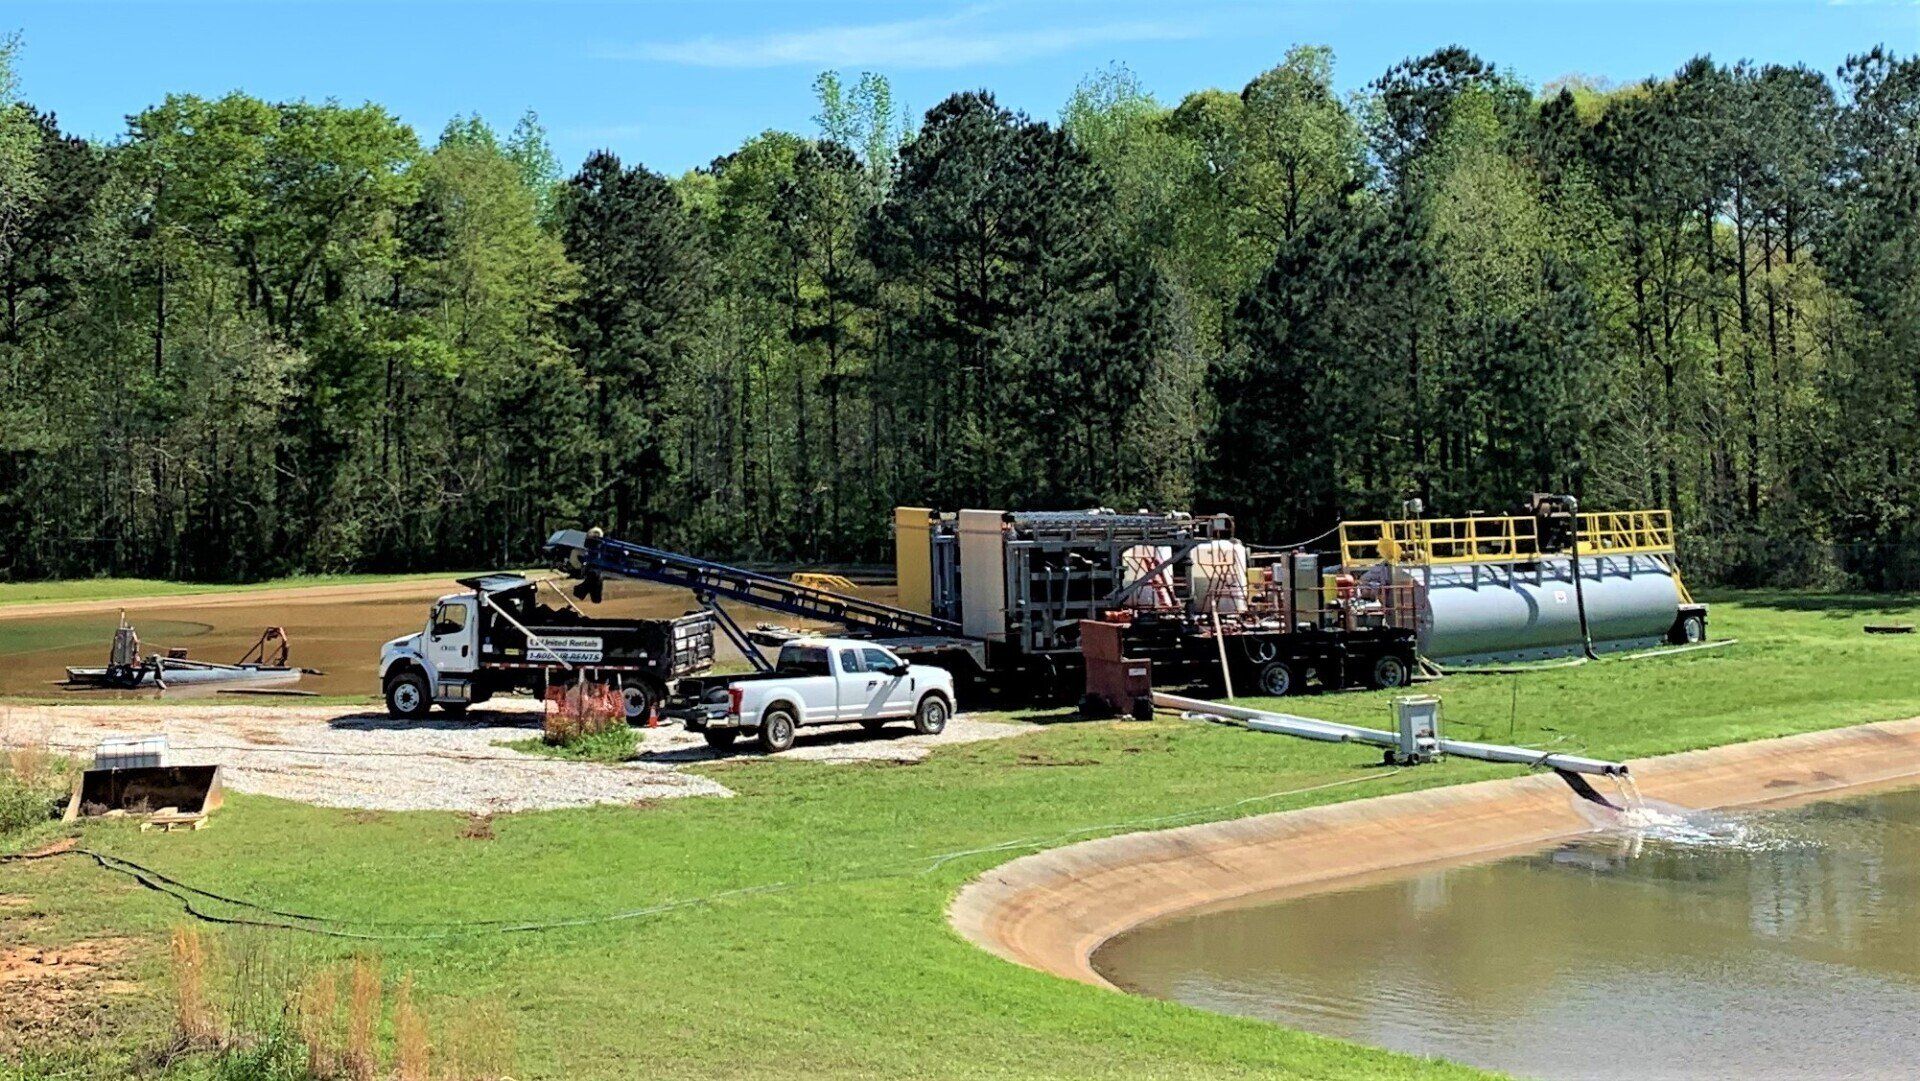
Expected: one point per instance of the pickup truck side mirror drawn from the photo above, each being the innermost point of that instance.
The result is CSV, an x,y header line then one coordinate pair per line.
x,y
897,670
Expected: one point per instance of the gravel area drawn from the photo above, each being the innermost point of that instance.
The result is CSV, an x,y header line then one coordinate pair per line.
x,y
345,756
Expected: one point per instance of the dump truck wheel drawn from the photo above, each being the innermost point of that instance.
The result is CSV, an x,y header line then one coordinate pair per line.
x,y
931,718
1276,680
1388,672
721,738
638,699
407,696
776,730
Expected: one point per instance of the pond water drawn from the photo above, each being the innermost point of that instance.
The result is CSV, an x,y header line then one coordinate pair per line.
x,y
340,636
1776,944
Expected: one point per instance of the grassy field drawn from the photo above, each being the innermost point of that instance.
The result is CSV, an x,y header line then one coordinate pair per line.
x,y
819,946
113,589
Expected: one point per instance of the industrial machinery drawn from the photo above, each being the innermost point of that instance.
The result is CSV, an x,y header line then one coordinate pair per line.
x,y
1549,581
1190,598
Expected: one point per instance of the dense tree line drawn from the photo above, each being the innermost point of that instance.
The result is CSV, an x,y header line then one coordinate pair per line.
x,y
250,337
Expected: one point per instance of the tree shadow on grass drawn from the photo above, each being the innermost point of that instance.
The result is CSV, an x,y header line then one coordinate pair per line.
x,y
1831,605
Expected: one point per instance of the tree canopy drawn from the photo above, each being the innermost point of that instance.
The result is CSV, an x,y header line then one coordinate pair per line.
x,y
250,337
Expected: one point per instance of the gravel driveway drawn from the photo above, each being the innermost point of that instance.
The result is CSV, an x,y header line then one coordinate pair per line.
x,y
346,756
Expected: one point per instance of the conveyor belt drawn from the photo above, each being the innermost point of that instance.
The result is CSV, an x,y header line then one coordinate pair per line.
x,y
585,556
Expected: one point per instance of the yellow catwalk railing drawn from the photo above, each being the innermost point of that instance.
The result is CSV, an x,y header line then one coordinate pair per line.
x,y
1502,539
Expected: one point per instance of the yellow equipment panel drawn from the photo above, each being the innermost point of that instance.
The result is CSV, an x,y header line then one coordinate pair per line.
x,y
913,557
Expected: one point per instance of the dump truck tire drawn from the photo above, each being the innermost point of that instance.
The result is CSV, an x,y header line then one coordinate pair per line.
x,y
930,718
720,738
638,701
407,695
776,730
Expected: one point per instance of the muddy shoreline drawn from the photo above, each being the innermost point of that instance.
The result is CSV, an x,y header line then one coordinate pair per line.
x,y
1051,911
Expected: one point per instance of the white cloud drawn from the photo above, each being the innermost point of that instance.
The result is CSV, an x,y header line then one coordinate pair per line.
x,y
965,39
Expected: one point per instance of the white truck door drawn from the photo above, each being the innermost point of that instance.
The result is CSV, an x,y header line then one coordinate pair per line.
x,y
451,635
893,695
857,686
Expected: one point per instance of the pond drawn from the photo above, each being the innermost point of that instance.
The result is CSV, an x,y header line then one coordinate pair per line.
x,y
1782,943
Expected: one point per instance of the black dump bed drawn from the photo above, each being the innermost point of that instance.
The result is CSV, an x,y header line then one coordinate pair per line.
x,y
665,648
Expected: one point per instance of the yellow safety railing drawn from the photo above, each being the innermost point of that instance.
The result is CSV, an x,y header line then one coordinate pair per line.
x,y
1626,531
1439,540
1497,539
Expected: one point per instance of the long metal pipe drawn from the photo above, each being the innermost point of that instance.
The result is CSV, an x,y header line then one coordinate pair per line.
x,y
1288,724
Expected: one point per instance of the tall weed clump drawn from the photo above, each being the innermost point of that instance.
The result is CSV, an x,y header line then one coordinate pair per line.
x,y
32,783
261,1011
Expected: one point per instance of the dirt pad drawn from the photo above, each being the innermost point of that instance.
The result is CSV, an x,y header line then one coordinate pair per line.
x,y
345,756
52,993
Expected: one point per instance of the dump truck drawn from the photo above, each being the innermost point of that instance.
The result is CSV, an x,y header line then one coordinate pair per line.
x,y
499,638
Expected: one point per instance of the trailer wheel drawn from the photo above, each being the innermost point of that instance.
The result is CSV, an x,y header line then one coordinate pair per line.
x,y
1692,628
407,696
1388,672
1276,680
930,719
776,730
721,738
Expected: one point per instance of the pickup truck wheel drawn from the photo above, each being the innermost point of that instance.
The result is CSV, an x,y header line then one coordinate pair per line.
x,y
407,696
776,731
721,738
873,724
931,718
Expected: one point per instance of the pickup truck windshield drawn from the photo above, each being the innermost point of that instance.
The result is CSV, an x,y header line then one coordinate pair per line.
x,y
803,661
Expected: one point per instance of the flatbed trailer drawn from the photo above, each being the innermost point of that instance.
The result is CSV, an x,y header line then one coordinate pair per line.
x,y
1270,661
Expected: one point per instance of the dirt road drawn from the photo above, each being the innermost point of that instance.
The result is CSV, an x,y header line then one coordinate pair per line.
x,y
346,756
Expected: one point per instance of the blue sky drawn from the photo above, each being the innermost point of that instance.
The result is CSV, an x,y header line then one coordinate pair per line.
x,y
675,83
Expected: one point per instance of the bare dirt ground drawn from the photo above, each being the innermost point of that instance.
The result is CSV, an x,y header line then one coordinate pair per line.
x,y
425,589
349,756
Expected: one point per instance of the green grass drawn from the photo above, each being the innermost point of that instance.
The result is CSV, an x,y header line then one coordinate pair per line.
x,y
611,745
840,962
113,589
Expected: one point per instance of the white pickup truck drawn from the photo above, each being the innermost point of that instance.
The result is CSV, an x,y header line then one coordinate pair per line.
x,y
819,681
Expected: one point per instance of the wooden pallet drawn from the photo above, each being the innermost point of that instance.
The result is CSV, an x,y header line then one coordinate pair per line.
x,y
167,819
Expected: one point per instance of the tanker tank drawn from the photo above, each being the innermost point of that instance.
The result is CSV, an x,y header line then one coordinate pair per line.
x,y
1480,613
1488,590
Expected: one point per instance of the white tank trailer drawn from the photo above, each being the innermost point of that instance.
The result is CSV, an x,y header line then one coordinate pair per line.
x,y
1497,589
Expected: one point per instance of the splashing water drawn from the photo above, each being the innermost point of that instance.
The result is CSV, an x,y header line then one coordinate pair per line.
x,y
1653,820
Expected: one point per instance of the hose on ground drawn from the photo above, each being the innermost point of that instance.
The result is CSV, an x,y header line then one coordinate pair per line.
x,y
192,899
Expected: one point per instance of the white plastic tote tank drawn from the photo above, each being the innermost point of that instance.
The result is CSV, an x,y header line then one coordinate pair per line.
x,y
1218,572
1135,563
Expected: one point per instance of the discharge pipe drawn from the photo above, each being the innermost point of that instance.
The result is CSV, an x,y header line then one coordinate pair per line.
x,y
1287,724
